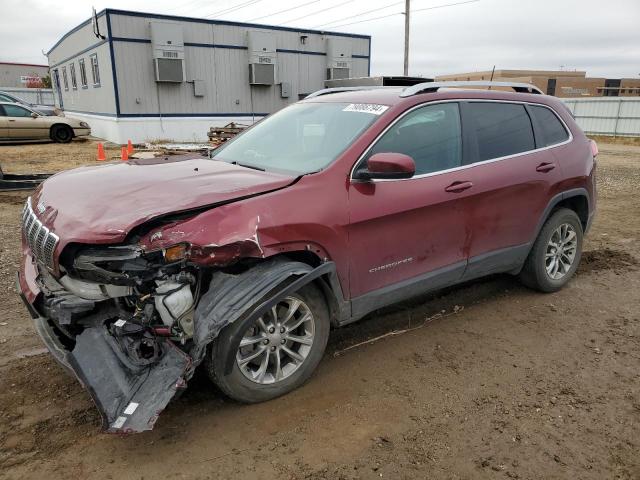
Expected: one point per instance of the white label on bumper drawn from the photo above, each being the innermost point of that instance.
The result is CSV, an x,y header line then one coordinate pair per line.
x,y
120,323
130,408
119,422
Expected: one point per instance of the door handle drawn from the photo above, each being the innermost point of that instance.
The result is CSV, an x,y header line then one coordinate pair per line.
x,y
11,120
545,167
457,187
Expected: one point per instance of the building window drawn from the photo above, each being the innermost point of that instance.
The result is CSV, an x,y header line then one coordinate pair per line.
x,y
95,70
74,81
83,73
65,80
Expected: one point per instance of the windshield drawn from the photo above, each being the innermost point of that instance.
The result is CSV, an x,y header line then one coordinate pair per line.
x,y
302,138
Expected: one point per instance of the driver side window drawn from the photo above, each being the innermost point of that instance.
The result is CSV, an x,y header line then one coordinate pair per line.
x,y
430,135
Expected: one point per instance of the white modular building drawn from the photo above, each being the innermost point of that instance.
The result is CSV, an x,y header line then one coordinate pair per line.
x,y
144,77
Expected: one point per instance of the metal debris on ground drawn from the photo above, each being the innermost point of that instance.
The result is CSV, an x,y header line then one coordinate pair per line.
x,y
219,135
10,181
457,309
176,148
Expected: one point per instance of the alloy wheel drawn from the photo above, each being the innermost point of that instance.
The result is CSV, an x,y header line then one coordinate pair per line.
x,y
278,343
561,251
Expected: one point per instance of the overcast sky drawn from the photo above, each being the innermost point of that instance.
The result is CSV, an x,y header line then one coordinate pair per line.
x,y
601,37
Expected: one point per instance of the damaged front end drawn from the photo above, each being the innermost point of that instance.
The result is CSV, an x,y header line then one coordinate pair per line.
x,y
133,321
121,320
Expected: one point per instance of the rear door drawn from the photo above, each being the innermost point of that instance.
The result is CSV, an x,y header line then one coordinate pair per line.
x,y
402,230
514,177
23,125
4,125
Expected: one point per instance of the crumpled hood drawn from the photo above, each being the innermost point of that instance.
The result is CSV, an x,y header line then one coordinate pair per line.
x,y
101,204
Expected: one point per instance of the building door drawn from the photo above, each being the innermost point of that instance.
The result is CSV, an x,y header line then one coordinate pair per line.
x,y
56,83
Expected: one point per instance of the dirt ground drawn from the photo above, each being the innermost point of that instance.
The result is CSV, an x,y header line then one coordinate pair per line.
x,y
496,381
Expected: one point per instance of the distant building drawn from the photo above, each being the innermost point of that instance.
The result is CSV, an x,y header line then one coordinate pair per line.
x,y
144,76
561,83
22,75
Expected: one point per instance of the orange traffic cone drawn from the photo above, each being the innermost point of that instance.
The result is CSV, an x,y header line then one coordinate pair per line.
x,y
129,147
123,154
101,156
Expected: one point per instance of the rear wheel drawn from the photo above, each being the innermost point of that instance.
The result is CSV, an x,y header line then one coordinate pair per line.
x,y
61,133
556,252
278,352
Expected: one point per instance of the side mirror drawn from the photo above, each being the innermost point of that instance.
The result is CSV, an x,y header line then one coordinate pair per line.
x,y
34,115
387,166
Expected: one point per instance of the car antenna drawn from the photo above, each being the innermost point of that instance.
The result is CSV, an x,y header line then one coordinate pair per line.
x,y
492,72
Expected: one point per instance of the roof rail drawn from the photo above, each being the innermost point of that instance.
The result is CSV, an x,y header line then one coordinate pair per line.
x,y
327,91
430,87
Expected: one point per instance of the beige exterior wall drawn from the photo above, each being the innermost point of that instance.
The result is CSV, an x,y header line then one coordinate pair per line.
x,y
568,84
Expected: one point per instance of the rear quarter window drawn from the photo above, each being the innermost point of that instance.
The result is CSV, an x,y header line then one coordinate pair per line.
x,y
501,129
549,125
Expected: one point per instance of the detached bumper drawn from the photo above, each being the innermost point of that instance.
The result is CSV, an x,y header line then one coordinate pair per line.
x,y
129,396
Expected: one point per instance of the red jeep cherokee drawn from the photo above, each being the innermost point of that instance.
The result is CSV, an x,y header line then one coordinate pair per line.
x,y
352,199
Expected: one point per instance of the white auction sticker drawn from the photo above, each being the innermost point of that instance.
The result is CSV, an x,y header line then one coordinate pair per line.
x,y
366,108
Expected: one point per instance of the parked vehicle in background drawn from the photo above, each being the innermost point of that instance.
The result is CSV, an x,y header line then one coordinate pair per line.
x,y
43,109
348,201
19,122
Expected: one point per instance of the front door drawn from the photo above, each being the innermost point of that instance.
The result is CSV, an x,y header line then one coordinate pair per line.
x,y
408,235
23,125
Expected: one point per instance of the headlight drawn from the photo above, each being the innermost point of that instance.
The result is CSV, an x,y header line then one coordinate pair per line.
x,y
175,253
84,124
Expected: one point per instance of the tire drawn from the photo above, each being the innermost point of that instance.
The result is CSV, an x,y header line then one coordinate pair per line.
x,y
61,133
243,383
538,270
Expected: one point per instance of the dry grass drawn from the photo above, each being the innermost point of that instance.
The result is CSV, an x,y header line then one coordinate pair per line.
x,y
615,140
52,157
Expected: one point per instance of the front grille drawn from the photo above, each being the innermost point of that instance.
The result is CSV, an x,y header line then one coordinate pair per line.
x,y
41,240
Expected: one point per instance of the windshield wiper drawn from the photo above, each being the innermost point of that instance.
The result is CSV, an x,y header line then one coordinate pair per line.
x,y
248,166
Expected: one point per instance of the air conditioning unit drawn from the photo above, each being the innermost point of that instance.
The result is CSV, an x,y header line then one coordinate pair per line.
x,y
338,58
168,52
262,57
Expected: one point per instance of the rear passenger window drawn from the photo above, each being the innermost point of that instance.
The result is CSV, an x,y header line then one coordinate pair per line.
x,y
430,135
553,131
501,129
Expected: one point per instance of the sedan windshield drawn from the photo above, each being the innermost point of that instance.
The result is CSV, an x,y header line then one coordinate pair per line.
x,y
302,138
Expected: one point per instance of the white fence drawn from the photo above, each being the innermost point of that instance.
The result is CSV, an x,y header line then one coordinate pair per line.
x,y
40,96
617,116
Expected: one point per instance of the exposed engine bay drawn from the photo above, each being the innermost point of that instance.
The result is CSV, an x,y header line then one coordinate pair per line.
x,y
132,326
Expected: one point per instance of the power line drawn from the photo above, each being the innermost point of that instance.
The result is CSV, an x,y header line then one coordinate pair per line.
x,y
232,9
319,11
188,4
402,13
360,14
283,11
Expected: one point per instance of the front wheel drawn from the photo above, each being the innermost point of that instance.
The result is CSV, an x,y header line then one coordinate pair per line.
x,y
556,253
61,133
278,352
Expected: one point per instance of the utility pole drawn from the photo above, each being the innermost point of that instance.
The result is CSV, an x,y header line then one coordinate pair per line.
x,y
407,11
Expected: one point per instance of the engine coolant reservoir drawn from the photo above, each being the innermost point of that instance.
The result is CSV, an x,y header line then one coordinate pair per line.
x,y
173,300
